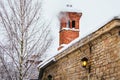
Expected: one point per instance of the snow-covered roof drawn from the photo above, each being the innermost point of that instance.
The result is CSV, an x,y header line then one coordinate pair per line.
x,y
80,41
46,61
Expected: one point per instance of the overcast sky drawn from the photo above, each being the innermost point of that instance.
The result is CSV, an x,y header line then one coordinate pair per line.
x,y
95,14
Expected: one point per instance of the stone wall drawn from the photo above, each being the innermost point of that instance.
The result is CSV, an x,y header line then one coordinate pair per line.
x,y
103,52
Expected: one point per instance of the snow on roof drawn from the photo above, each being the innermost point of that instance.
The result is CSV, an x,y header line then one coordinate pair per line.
x,y
46,61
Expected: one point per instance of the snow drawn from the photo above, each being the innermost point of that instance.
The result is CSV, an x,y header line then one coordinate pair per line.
x,y
46,61
73,29
70,44
95,14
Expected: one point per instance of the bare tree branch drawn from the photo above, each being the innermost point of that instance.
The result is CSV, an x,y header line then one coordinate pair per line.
x,y
26,37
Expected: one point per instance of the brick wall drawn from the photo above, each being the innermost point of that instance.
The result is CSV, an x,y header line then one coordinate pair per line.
x,y
105,56
102,50
65,16
69,34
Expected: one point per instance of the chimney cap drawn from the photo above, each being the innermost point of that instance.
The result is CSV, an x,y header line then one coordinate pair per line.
x,y
69,5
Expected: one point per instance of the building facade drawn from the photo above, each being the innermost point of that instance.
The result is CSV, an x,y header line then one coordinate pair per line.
x,y
102,50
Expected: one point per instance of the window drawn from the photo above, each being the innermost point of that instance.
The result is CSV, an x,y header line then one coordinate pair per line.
x,y
73,24
49,77
68,24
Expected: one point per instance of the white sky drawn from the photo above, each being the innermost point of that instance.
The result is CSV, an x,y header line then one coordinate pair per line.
x,y
95,14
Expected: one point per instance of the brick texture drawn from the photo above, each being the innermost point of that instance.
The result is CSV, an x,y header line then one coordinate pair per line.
x,y
66,36
102,50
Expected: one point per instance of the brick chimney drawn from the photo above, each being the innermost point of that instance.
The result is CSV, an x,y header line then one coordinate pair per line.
x,y
69,27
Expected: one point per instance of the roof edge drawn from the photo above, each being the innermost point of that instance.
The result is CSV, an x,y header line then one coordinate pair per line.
x,y
46,62
81,42
105,28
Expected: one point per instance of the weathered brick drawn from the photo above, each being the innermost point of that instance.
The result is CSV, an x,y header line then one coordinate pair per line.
x,y
104,58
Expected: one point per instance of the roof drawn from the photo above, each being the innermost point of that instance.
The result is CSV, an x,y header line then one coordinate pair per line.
x,y
81,42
